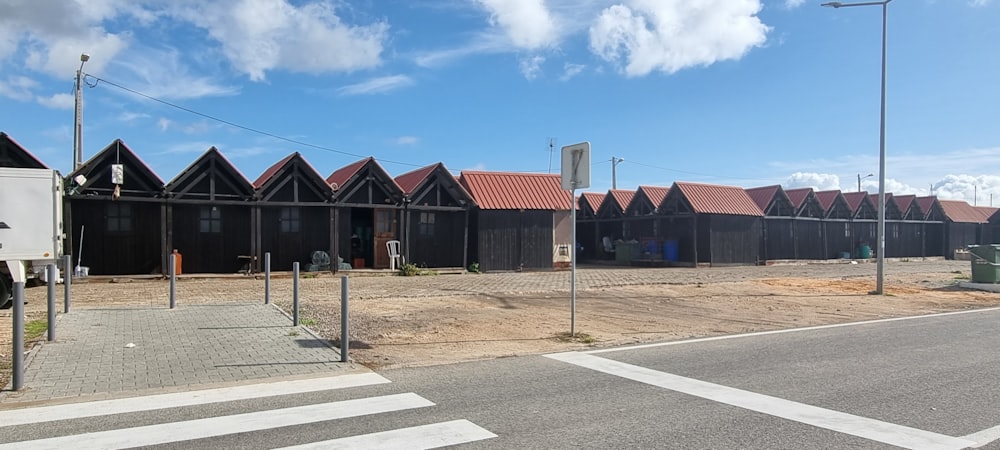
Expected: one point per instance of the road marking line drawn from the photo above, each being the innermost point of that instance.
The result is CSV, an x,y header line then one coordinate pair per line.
x,y
872,429
787,330
223,425
162,401
984,437
421,437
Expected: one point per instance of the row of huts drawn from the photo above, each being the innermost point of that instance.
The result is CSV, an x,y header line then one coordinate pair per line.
x,y
122,218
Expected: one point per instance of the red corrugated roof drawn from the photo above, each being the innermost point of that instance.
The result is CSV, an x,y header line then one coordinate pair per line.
x,y
262,179
904,202
926,204
855,199
827,198
594,199
987,211
622,196
797,196
762,196
410,180
656,194
340,176
715,199
506,190
961,211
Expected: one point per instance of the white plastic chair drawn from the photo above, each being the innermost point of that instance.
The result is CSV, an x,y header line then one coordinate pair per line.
x,y
395,259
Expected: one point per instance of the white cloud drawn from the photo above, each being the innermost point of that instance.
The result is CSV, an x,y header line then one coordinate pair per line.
x,y
129,116
792,4
58,101
377,85
407,140
262,35
817,181
18,88
975,189
671,35
164,124
571,70
527,23
979,2
531,67
161,73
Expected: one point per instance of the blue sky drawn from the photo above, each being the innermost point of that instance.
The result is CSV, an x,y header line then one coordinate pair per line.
x,y
737,92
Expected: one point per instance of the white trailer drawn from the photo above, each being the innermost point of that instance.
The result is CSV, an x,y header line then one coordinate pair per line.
x,y
31,219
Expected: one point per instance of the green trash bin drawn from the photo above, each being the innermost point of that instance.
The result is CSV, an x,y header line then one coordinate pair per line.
x,y
985,263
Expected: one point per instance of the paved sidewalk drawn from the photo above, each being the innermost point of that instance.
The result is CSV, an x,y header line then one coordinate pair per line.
x,y
123,351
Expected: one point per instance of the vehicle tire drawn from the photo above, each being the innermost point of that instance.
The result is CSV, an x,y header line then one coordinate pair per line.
x,y
6,292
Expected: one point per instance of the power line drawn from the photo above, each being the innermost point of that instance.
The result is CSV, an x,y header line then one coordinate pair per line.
x,y
242,127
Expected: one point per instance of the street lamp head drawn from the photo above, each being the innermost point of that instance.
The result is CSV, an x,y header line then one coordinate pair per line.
x,y
833,4
84,57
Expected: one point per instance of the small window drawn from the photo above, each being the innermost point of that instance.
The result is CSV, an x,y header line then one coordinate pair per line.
x,y
118,217
426,224
210,220
290,222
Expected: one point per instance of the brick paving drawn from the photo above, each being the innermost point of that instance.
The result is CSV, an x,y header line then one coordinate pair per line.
x,y
186,346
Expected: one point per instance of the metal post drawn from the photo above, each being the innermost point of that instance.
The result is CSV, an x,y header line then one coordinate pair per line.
x,y
78,115
17,377
572,264
881,166
173,281
295,294
51,284
267,278
67,281
345,336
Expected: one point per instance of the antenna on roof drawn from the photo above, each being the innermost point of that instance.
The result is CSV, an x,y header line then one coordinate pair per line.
x,y
552,146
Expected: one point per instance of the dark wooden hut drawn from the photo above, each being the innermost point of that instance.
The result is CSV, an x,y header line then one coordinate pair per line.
x,y
864,222
587,233
837,224
14,155
293,216
118,213
611,215
934,225
436,218
521,221
369,206
209,215
964,225
904,237
809,229
643,223
714,225
778,230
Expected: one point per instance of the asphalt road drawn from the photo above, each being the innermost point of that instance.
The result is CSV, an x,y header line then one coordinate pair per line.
x,y
925,382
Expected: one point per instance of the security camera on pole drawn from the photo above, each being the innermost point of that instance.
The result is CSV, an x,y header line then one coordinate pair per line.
x,y
575,175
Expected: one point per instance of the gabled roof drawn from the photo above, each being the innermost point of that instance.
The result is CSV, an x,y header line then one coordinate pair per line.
x,y
646,200
762,196
592,200
616,201
433,185
409,181
856,200
827,198
292,171
210,177
14,155
960,211
366,182
798,196
715,199
508,190
904,202
931,208
140,180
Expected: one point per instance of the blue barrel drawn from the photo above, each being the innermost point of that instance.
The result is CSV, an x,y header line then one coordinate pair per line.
x,y
670,250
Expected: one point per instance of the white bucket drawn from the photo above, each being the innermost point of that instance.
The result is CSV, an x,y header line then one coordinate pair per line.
x,y
82,271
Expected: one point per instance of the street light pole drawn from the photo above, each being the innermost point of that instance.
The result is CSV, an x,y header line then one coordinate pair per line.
x,y
614,175
860,178
78,115
880,256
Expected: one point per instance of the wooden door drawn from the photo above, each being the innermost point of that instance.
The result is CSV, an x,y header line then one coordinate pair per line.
x,y
385,230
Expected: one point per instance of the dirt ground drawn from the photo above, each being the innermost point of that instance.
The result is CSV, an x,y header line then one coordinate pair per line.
x,y
438,319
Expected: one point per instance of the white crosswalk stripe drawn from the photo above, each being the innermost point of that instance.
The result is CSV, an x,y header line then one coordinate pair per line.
x,y
423,436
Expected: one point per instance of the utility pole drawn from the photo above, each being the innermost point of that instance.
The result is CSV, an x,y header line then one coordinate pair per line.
x,y
78,116
614,174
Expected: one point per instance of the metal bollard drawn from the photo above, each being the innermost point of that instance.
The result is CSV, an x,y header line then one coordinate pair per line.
x,y
345,336
53,276
267,278
295,294
67,281
173,281
17,377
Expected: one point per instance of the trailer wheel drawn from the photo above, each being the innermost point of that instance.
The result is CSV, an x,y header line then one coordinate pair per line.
x,y
6,293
